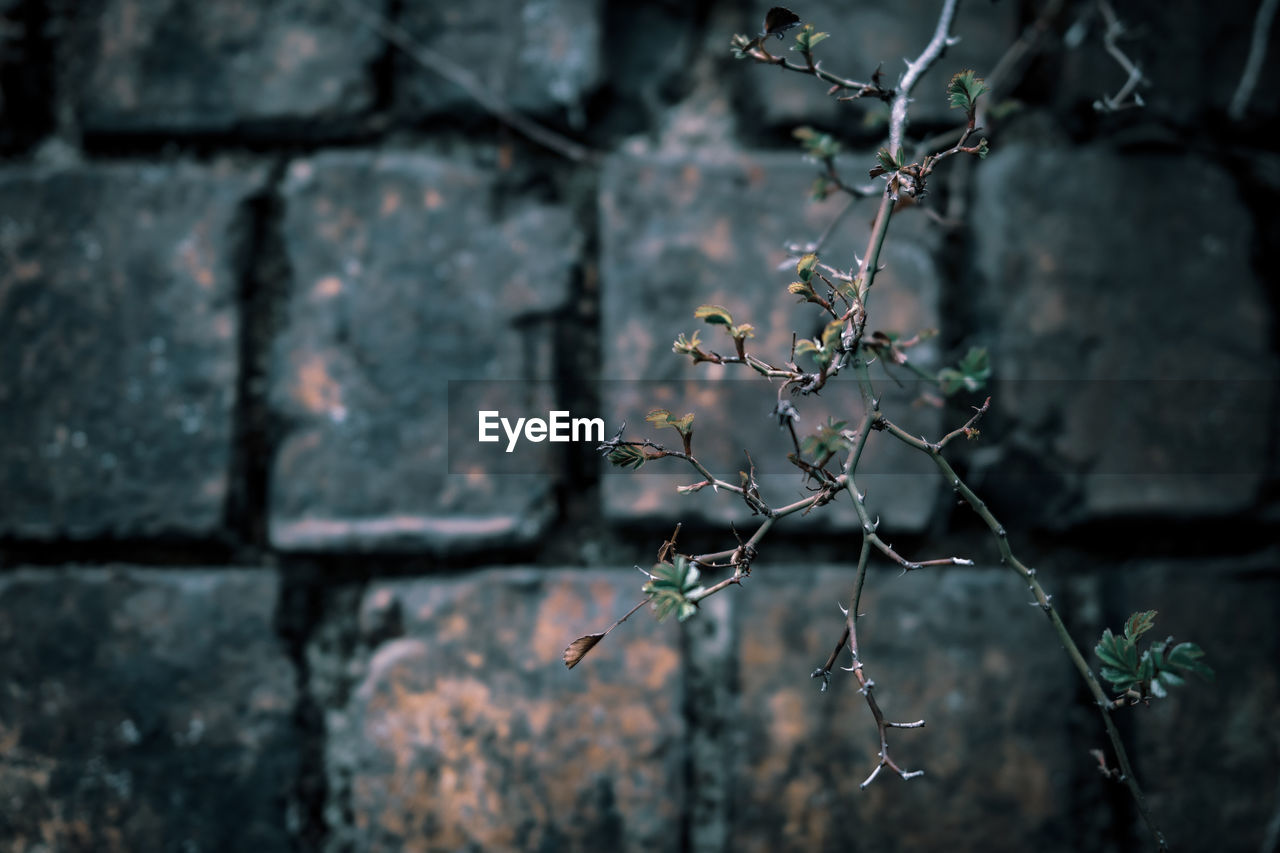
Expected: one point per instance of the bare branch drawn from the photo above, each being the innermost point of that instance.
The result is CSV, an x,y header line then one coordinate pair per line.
x,y
467,81
1253,64
942,39
1110,38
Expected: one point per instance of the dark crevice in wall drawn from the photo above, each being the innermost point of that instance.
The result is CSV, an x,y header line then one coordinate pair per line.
x,y
265,278
26,76
158,552
301,609
382,71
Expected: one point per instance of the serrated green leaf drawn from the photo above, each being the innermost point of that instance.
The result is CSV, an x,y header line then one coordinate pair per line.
x,y
976,364
715,314
1186,657
658,417
686,346
1158,690
887,161
800,288
831,335
627,456
1138,623
806,347
1118,677
1171,679
983,148
683,425
806,265
742,331
964,89
950,380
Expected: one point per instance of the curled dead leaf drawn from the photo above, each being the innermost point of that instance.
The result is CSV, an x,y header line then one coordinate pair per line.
x,y
579,647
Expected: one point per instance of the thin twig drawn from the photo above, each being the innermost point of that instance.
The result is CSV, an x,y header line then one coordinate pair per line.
x,y
1110,38
469,83
1253,64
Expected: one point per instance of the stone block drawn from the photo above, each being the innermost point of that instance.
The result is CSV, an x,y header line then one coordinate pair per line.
x,y
466,731
1130,336
866,36
403,281
160,66
144,710
538,56
958,648
678,233
118,335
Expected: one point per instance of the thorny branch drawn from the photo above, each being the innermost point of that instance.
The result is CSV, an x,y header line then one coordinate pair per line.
x,y
852,348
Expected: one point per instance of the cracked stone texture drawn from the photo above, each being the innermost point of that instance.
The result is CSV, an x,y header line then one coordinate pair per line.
x,y
864,36
958,648
404,280
156,66
681,232
1141,399
118,332
144,710
538,56
466,731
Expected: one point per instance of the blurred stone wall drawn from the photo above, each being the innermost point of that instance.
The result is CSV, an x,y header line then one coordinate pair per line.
x,y
249,599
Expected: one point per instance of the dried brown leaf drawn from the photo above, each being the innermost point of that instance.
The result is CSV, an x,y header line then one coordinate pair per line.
x,y
579,648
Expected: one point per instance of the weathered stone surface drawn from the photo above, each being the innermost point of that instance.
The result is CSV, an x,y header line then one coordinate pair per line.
x,y
864,36
537,56
403,281
678,233
1207,754
118,336
143,710
167,65
1129,334
467,732
958,648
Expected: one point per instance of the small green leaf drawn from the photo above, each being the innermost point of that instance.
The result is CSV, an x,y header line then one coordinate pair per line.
x,y
1138,623
806,265
627,456
983,149
831,334
887,161
669,588
658,417
742,331
964,89
686,346
820,146
715,314
799,288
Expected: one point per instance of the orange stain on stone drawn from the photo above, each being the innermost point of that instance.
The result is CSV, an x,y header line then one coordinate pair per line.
x,y
317,391
390,203
327,287
562,616
717,243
